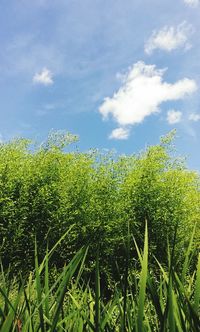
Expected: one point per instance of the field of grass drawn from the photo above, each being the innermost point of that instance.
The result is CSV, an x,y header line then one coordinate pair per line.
x,y
145,299
98,242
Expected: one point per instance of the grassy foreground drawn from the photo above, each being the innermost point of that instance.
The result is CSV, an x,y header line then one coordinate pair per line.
x,y
146,300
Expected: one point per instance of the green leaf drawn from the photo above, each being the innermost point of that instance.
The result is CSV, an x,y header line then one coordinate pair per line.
x,y
143,281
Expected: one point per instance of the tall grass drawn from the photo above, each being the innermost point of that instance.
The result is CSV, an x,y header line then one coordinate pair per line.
x,y
146,301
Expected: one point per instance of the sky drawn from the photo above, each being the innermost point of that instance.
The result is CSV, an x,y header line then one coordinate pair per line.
x,y
118,73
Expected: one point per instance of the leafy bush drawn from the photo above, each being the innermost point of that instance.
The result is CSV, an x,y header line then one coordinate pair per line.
x,y
45,190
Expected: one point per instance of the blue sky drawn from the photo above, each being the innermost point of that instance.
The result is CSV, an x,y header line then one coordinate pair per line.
x,y
119,73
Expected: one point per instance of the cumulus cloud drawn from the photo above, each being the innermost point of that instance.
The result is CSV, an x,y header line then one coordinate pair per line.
x,y
120,133
142,92
170,38
174,116
194,117
192,3
44,77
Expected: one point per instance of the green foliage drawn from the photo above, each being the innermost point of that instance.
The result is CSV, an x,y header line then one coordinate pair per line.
x,y
46,190
160,190
159,301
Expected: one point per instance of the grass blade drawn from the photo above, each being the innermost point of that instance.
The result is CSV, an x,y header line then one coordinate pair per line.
x,y
97,294
187,256
39,290
197,287
143,280
69,272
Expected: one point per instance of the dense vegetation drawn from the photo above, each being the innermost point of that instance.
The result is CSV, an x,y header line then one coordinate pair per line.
x,y
144,301
95,206
44,190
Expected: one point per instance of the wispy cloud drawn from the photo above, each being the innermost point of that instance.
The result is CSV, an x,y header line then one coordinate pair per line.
x,y
192,3
174,116
194,117
170,38
45,77
142,92
120,133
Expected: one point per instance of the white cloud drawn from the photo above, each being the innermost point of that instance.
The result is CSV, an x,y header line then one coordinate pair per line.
x,y
192,3
141,94
194,117
174,116
44,77
169,38
120,133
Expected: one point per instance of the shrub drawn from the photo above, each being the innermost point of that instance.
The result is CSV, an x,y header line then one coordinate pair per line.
x,y
46,190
